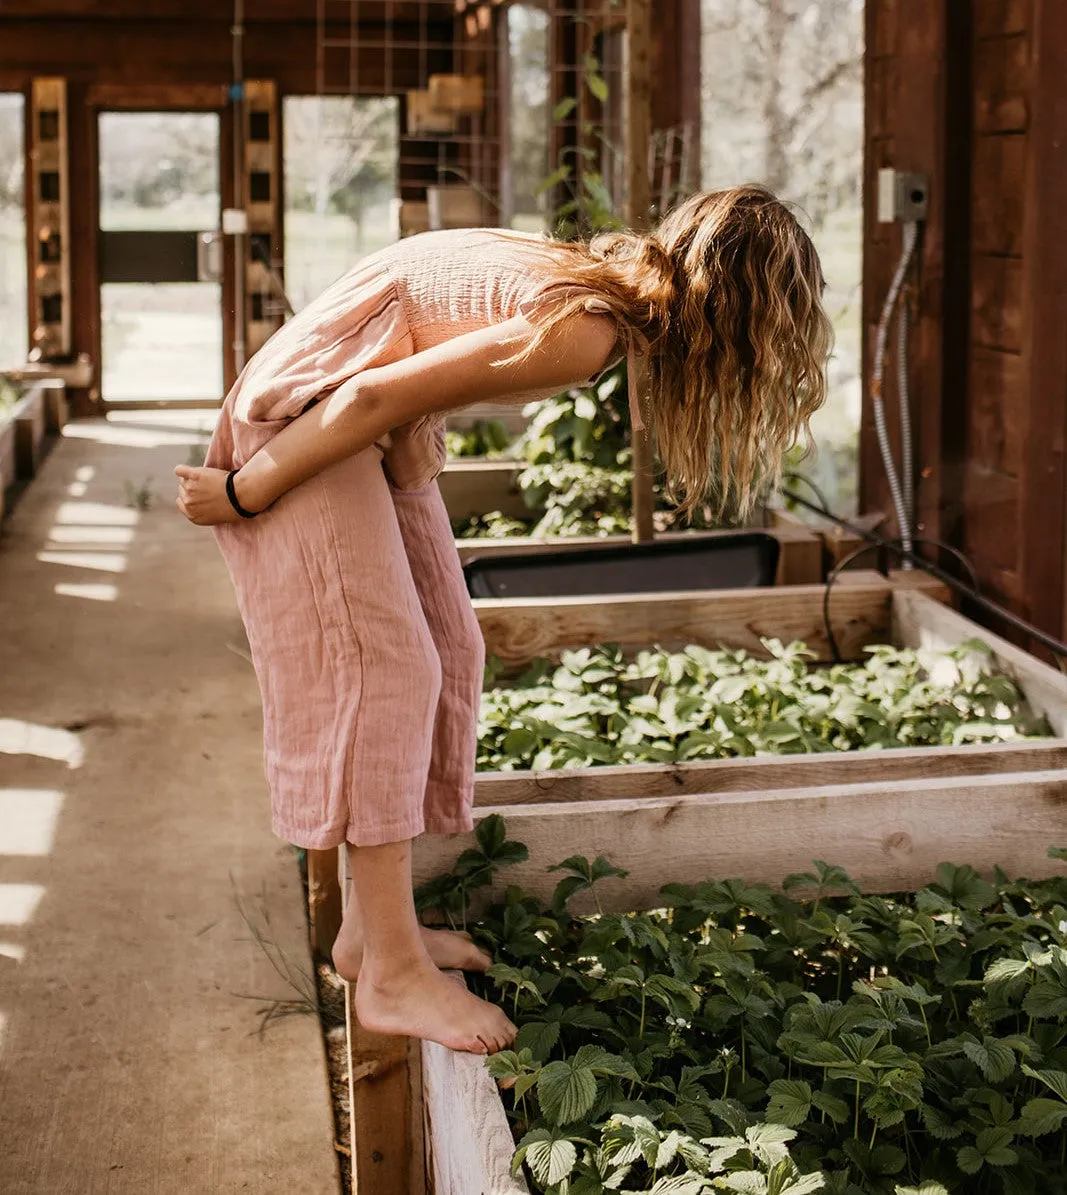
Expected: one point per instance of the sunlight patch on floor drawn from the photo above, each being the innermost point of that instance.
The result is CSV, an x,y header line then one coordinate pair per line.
x,y
92,593
46,742
95,514
18,902
100,562
28,818
94,535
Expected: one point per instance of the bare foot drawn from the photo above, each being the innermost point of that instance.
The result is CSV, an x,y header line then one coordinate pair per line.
x,y
450,950
422,1002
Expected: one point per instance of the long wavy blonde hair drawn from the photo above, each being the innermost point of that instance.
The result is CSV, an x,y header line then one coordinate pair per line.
x,y
726,295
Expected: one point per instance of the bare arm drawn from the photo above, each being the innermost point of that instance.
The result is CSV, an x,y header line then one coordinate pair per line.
x,y
374,402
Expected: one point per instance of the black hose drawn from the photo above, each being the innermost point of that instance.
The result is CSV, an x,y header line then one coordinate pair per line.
x,y
970,592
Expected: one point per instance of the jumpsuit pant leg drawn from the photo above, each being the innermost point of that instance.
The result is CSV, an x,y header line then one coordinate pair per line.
x,y
438,579
349,670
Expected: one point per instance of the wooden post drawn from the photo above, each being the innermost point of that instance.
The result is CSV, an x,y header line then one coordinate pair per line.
x,y
638,202
324,900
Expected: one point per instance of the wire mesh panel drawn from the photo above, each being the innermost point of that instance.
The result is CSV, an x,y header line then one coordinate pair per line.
x,y
454,68
443,60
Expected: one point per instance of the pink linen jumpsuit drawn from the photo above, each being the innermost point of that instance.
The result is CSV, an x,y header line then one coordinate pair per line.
x,y
365,644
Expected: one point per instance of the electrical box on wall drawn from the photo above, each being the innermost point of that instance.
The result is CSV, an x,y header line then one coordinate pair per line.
x,y
902,195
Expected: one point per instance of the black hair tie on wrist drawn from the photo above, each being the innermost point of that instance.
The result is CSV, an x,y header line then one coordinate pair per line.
x,y
231,493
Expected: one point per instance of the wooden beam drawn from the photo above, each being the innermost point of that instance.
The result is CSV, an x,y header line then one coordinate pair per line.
x,y
468,1139
888,839
635,782
517,630
636,213
1044,520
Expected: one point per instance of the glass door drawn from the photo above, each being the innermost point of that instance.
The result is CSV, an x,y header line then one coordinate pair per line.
x,y
160,257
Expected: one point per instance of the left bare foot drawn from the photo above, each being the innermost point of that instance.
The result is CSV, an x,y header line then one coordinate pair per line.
x,y
450,950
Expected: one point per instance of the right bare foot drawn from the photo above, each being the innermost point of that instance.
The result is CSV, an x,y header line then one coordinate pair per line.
x,y
422,1002
450,950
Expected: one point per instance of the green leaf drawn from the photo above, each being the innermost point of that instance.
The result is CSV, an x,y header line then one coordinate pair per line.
x,y
597,86
566,1091
491,834
549,1155
1055,1081
1040,1116
564,108
539,1037
930,1187
790,1102
994,1059
991,1148
835,1108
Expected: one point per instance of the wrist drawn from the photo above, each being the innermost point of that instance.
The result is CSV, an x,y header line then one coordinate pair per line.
x,y
249,491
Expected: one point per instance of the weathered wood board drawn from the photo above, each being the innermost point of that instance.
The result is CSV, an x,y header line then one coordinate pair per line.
x,y
636,781
469,1142
477,487
888,837
29,419
517,630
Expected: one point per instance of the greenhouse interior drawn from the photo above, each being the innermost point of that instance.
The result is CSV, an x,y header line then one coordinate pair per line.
x,y
623,443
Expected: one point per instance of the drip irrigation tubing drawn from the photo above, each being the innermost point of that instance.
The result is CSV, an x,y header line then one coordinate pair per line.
x,y
874,540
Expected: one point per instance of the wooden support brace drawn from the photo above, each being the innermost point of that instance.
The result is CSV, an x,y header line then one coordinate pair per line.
x,y
56,407
29,421
324,899
385,1096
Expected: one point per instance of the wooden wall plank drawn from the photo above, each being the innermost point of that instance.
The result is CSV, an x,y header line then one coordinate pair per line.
x,y
991,500
997,303
181,52
888,839
1045,318
999,195
1002,84
995,429
995,18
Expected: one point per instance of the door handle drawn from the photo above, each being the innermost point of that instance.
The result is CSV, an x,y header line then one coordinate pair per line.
x,y
209,256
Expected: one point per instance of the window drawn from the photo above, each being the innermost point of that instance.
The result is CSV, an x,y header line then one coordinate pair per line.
x,y
14,336
783,105
340,171
528,116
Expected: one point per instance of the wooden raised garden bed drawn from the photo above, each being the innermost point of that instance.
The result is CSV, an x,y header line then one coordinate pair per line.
x,y
475,487
24,432
888,817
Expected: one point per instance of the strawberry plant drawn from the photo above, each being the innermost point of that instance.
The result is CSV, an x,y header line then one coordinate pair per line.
x,y
484,438
577,477
757,1040
596,706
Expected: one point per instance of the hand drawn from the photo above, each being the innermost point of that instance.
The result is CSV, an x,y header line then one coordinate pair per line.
x,y
202,496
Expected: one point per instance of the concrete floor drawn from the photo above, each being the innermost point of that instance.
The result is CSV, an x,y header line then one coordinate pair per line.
x,y
133,824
